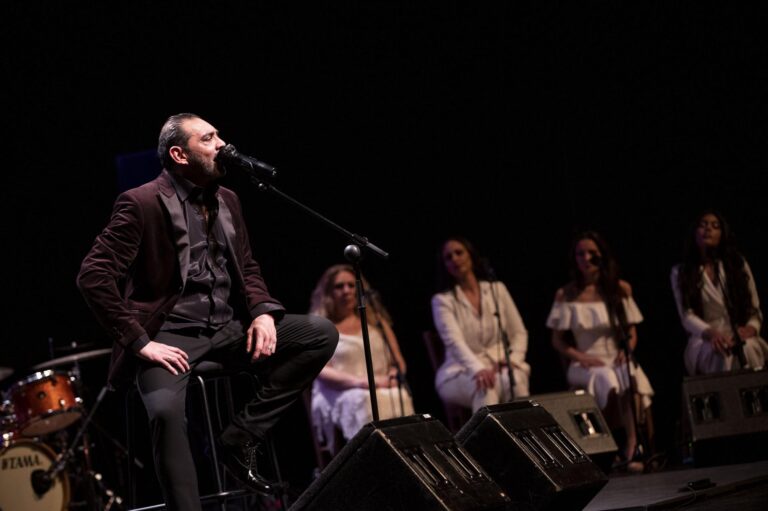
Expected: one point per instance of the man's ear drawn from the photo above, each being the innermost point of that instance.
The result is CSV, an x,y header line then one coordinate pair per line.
x,y
178,154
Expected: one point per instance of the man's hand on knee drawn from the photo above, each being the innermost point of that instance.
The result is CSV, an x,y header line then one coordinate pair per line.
x,y
172,358
262,337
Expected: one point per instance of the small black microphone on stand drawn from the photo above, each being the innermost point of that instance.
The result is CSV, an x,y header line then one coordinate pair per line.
x,y
41,481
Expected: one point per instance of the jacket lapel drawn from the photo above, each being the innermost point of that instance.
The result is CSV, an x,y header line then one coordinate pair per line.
x,y
179,223
228,226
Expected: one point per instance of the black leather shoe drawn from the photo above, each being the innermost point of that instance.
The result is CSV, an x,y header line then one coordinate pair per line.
x,y
241,463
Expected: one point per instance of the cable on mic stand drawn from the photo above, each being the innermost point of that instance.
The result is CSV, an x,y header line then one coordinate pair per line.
x,y
353,254
738,342
401,382
506,346
623,338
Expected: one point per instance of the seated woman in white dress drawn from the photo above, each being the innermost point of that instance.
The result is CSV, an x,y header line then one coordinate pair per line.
x,y
474,373
716,298
340,394
600,313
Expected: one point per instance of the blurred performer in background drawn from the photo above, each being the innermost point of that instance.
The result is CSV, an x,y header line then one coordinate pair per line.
x,y
597,309
466,313
340,394
173,281
717,301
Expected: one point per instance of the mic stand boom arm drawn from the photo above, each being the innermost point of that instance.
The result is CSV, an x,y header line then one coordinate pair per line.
x,y
360,241
354,254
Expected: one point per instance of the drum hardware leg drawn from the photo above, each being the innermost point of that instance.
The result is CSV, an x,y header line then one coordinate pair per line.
x,y
110,496
120,448
43,479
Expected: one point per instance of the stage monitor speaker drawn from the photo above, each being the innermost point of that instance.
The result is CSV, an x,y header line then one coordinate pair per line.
x,y
728,417
527,453
578,414
405,463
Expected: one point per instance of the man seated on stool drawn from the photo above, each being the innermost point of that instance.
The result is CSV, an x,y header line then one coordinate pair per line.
x,y
173,281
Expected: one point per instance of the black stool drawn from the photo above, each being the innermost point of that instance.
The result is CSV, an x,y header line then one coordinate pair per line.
x,y
214,378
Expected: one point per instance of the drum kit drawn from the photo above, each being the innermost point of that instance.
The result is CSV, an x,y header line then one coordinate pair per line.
x,y
40,462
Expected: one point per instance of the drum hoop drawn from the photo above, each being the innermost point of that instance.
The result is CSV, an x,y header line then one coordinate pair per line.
x,y
48,414
63,477
40,375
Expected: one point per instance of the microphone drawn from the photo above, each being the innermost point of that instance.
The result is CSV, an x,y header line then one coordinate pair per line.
x,y
489,271
711,253
41,481
373,298
229,157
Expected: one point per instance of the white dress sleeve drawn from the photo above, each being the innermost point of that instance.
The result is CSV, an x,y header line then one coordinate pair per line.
x,y
692,323
449,329
756,320
560,316
632,311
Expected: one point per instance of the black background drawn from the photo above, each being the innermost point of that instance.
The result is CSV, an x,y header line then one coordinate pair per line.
x,y
511,123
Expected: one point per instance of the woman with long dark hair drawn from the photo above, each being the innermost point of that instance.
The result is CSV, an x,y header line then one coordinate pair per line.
x,y
475,372
717,300
340,395
598,311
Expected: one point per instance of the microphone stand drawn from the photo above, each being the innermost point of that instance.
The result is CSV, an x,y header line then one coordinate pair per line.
x,y
503,332
399,375
353,253
738,342
623,345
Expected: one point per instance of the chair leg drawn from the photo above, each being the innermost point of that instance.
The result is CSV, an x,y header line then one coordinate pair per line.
x,y
281,486
211,435
129,444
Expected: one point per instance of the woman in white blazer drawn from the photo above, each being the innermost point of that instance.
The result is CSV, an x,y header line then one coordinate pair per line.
x,y
475,372
717,300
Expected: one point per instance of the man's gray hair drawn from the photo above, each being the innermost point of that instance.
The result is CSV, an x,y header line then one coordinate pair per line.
x,y
172,134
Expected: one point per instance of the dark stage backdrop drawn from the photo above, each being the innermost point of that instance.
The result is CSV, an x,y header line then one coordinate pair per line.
x,y
513,123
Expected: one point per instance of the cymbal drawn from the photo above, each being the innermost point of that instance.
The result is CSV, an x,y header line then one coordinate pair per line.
x,y
5,372
74,346
71,359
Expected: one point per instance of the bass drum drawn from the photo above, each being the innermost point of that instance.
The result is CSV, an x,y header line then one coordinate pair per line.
x,y
17,463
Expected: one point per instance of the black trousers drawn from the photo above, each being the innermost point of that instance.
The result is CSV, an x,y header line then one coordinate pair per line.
x,y
304,345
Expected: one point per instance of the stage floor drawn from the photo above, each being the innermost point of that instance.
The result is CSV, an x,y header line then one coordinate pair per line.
x,y
743,487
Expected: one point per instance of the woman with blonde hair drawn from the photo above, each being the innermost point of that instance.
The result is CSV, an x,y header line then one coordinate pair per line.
x,y
340,394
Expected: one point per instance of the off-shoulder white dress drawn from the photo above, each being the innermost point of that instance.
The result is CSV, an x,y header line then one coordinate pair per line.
x,y
592,332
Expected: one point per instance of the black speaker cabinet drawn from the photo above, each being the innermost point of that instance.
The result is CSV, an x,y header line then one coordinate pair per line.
x,y
728,417
527,453
578,414
405,463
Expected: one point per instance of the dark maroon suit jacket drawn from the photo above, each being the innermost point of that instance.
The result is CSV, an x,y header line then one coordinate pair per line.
x,y
135,271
